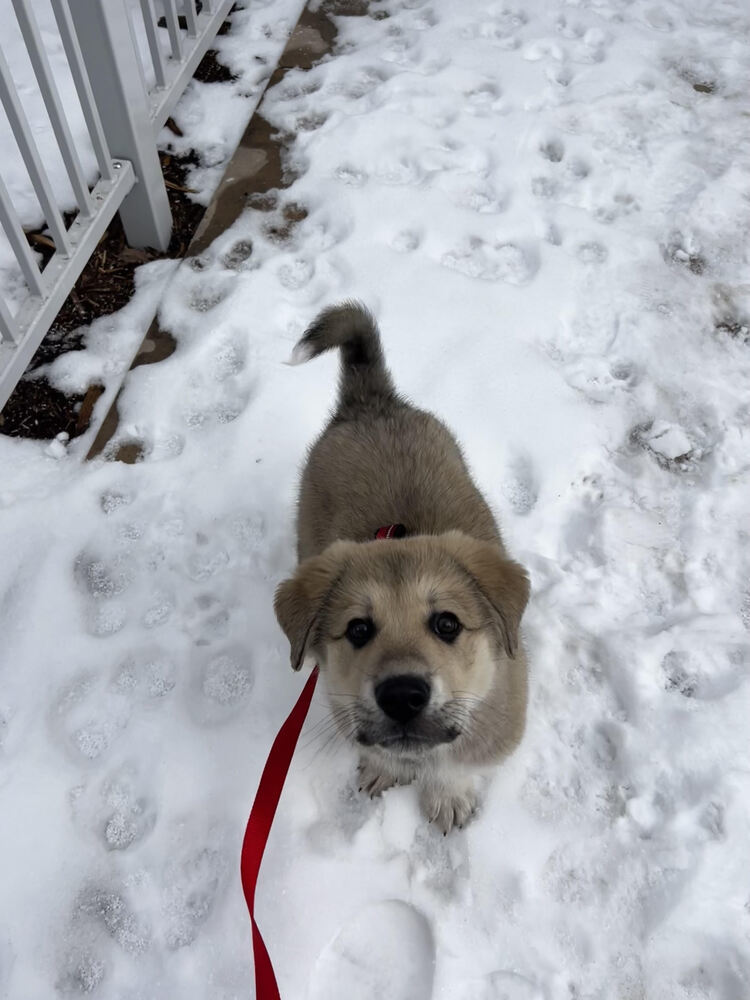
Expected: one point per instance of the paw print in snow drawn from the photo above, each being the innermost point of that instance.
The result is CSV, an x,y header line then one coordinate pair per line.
x,y
478,196
505,262
406,240
126,812
207,295
591,252
237,257
521,487
109,909
89,715
222,682
102,580
296,274
192,885
592,48
350,175
552,149
482,96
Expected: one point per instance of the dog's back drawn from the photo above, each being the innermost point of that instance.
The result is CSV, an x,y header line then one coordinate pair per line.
x,y
380,460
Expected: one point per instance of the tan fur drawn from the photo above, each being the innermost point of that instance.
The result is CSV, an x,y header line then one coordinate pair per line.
x,y
380,461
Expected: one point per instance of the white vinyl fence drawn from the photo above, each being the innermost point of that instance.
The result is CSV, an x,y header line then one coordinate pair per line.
x,y
123,116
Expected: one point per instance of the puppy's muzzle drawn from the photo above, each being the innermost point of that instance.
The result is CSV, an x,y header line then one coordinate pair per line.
x,y
402,698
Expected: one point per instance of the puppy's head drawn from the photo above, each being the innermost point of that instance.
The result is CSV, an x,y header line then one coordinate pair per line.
x,y
412,635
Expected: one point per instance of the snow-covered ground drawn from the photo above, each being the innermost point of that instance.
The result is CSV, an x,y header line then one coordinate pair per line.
x,y
547,206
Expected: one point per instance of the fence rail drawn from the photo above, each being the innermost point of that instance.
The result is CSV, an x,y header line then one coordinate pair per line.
x,y
123,116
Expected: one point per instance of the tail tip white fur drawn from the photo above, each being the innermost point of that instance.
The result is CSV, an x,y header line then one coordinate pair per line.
x,y
302,352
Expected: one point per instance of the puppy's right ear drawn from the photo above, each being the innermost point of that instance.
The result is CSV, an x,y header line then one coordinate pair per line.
x,y
298,600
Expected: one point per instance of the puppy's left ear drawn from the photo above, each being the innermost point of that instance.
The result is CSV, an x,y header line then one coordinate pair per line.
x,y
503,582
299,599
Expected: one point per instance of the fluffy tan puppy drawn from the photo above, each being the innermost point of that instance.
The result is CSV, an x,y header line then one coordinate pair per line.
x,y
417,636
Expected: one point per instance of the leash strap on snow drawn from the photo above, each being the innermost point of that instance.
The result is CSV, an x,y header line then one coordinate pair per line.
x,y
259,826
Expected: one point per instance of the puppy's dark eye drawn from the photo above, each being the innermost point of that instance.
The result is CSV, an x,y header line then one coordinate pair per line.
x,y
445,625
359,631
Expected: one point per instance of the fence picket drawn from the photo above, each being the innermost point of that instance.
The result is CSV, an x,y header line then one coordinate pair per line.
x,y
51,96
61,11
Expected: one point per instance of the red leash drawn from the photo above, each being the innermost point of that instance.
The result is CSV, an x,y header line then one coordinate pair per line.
x,y
259,826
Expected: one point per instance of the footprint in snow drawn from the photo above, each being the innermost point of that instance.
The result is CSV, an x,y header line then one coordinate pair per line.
x,y
193,883
160,607
89,715
439,863
578,169
309,122
94,708
544,187
203,410
119,810
502,29
386,951
552,149
101,918
543,48
425,18
296,274
207,618
105,619
107,908
482,96
101,578
207,294
559,74
351,810
402,170
592,48
364,82
402,50
228,357
569,28
82,970
146,674
591,252
505,262
521,487
222,682
479,197
113,500
406,240
237,257
705,678
350,175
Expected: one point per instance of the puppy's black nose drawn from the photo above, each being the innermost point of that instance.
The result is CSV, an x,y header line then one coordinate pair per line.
x,y
403,698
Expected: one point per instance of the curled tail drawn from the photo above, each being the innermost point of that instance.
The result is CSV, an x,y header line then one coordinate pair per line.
x,y
365,381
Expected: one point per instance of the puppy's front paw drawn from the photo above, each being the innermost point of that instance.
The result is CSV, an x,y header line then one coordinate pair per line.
x,y
449,807
372,780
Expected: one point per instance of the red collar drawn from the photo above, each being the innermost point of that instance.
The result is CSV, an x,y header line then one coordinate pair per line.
x,y
391,531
